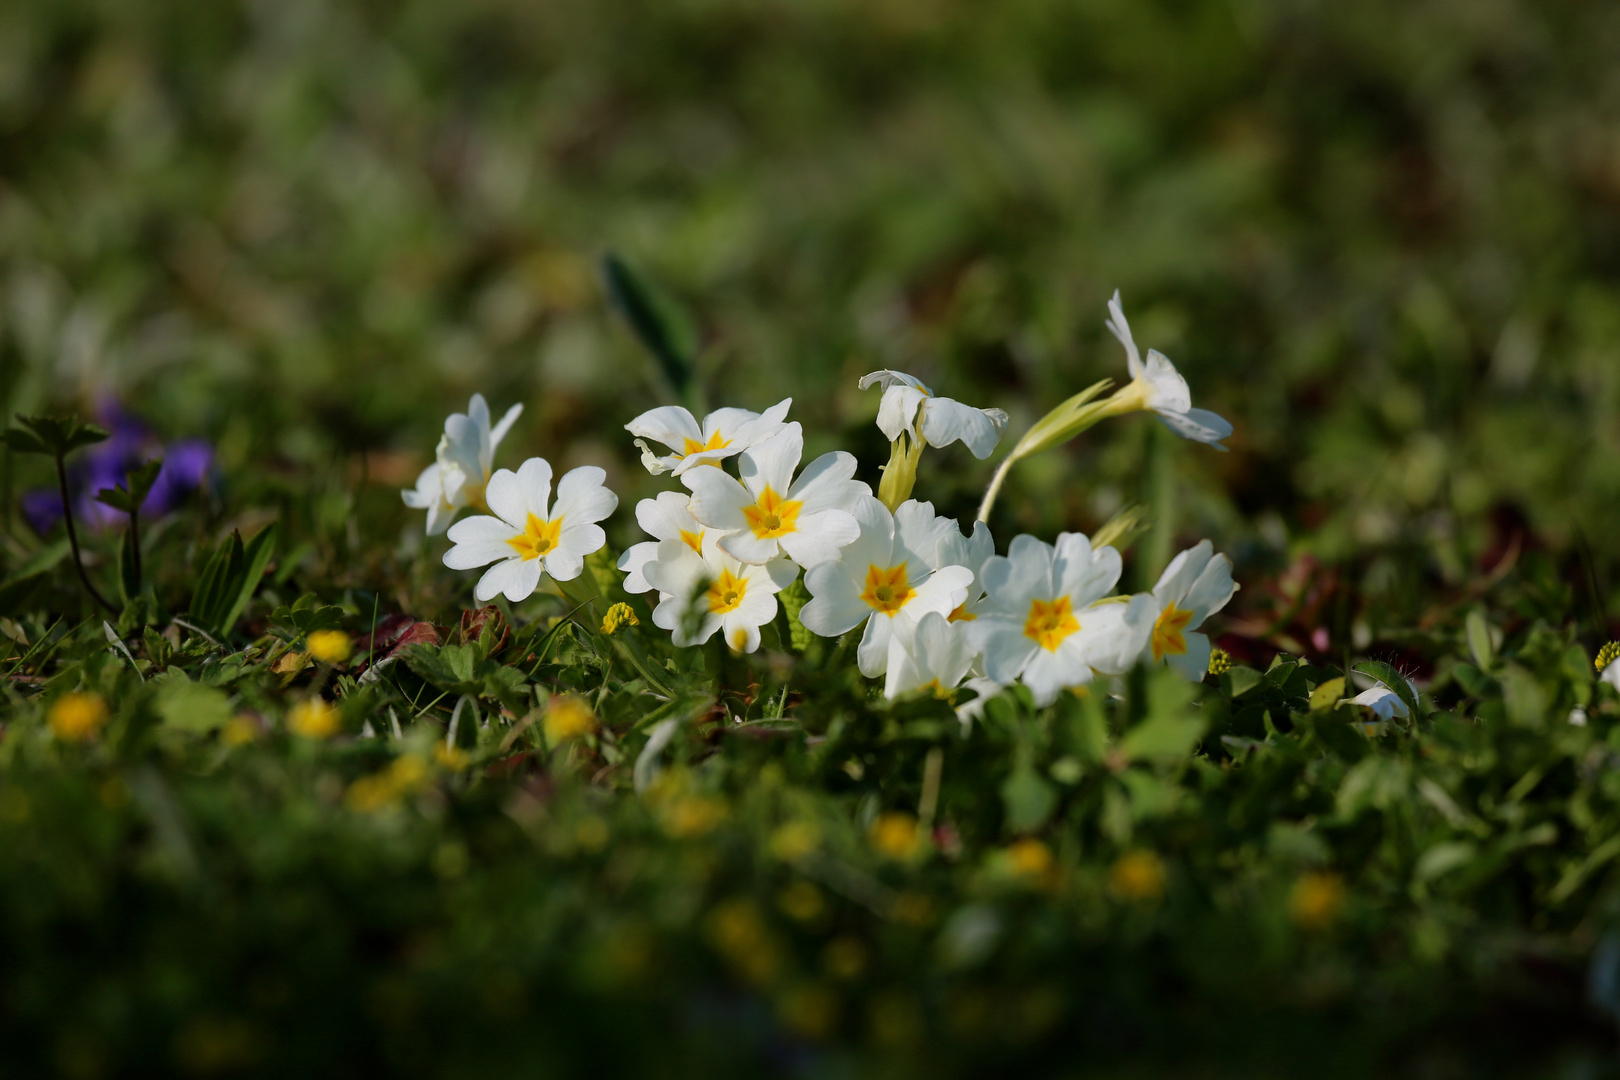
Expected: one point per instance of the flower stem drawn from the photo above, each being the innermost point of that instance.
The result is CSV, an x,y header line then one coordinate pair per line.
x,y
73,536
994,489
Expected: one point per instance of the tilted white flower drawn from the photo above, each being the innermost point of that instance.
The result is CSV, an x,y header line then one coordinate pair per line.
x,y
1384,702
944,420
708,590
1195,585
528,533
1041,622
723,433
929,654
668,517
463,460
769,513
1158,386
891,571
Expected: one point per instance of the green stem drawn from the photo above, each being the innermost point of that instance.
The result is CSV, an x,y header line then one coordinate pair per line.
x,y
73,536
994,489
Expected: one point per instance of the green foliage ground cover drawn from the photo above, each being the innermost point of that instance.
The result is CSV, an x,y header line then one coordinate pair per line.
x,y
1382,238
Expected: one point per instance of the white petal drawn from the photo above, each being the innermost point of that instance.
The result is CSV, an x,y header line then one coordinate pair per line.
x,y
897,412
920,531
514,577
1079,572
1194,664
534,480
1115,634
771,463
826,484
1198,425
1122,330
945,421
563,564
820,536
428,491
1169,390
1384,702
634,559
1006,649
887,379
699,458
1048,674
499,431
655,464
667,516
745,547
580,538
669,424
483,528
1020,576
872,657
581,497
676,569
835,606
717,499
1178,577
942,593
1213,589
782,573
741,636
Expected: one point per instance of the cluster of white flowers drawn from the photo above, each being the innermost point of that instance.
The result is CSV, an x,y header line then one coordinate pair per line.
x,y
941,610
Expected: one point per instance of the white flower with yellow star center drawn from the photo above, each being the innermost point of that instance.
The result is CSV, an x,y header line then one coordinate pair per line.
x,y
890,572
1158,386
708,590
723,433
1041,622
769,513
668,517
972,552
944,420
461,469
529,533
929,654
1195,585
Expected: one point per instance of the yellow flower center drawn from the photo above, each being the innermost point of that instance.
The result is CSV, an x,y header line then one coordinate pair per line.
x,y
715,443
961,614
693,540
1169,632
727,592
537,539
773,515
1050,622
887,590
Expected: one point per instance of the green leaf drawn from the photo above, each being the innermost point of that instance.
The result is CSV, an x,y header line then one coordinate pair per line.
x,y
214,592
1327,694
1479,639
137,485
1029,799
793,598
1239,680
57,436
260,550
188,706
1475,682
129,578
650,321
1394,681
1163,737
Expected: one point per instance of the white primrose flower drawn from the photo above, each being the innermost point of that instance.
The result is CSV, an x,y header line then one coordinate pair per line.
x,y
944,420
707,590
890,572
668,517
1384,702
1158,386
723,433
528,533
1042,624
1195,585
929,654
972,552
769,513
464,458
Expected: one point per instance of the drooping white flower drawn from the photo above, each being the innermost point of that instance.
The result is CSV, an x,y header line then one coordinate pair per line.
x,y
668,517
723,433
891,571
1384,702
1158,386
462,464
1041,622
944,420
769,513
707,590
528,533
929,654
1195,585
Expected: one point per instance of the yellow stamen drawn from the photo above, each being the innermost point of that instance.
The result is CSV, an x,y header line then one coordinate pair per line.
x,y
1169,632
887,590
715,443
961,614
1606,655
773,515
1049,623
538,538
693,540
1219,661
726,593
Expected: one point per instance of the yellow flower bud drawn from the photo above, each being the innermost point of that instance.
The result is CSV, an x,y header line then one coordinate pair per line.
x,y
313,719
568,717
330,646
76,716
618,615
1315,900
1138,877
895,835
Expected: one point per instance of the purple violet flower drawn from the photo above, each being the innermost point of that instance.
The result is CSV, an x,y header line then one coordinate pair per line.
x,y
187,465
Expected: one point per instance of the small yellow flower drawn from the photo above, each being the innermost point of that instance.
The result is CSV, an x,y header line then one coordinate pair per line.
x,y
1029,858
404,776
239,730
450,757
894,835
330,646
741,936
687,816
1219,661
1315,900
313,719
1606,655
76,716
1138,877
568,717
802,901
795,840
618,615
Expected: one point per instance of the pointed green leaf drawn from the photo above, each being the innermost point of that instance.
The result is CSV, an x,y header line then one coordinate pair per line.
x,y
255,557
1394,680
652,324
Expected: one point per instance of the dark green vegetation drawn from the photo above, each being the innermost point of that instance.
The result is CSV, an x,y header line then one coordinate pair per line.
x,y
1383,238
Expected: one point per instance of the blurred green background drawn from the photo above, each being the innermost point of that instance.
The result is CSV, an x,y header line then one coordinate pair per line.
x,y
1383,238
